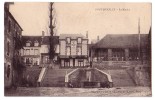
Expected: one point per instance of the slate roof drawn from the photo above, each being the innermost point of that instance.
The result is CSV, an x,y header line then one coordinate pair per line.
x,y
45,40
10,15
72,36
122,41
32,39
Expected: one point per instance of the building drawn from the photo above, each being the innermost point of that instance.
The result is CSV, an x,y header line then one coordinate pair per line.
x,y
36,49
73,50
121,48
31,49
12,46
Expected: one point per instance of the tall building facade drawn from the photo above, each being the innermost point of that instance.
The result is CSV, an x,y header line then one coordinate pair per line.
x,y
12,46
73,50
31,49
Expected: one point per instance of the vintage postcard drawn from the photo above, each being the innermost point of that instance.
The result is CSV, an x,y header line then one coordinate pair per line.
x,y
95,49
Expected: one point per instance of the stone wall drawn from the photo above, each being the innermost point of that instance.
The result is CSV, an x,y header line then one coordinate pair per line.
x,y
114,64
141,75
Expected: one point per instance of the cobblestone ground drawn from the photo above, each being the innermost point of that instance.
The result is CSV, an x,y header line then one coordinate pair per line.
x,y
83,92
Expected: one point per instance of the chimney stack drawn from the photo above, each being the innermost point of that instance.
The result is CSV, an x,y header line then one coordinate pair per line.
x,y
43,33
86,34
98,38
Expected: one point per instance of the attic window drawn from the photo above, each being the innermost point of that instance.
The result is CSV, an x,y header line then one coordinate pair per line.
x,y
68,40
79,40
36,43
28,43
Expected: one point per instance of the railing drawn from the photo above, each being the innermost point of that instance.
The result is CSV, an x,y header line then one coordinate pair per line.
x,y
69,74
73,75
41,76
77,78
108,76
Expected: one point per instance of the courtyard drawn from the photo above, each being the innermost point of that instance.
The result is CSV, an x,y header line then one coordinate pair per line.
x,y
81,92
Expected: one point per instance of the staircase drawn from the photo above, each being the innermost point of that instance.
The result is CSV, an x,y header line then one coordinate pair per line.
x,y
121,78
55,77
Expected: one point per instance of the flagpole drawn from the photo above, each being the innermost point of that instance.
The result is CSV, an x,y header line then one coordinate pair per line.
x,y
138,39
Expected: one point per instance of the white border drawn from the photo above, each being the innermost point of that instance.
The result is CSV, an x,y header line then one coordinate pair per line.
x,y
69,98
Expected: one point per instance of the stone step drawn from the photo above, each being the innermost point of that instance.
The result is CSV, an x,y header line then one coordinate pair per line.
x,y
121,78
55,77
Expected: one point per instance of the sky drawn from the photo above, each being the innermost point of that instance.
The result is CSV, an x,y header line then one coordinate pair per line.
x,y
98,19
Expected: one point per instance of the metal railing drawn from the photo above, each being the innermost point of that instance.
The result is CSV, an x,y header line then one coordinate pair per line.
x,y
41,76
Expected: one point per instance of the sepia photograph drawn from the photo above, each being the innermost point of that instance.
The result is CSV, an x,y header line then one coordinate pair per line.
x,y
77,49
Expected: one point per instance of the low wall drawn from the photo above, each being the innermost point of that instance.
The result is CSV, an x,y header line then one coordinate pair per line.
x,y
114,64
31,76
141,75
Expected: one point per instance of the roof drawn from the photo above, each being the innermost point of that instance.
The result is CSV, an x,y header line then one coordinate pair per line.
x,y
122,41
45,40
32,39
72,36
13,18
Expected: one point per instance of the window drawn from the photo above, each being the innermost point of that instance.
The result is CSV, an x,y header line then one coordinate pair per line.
x,y
27,51
8,48
45,59
28,43
9,26
36,52
67,63
133,54
79,50
68,51
24,52
118,55
27,60
8,71
16,34
79,40
18,52
68,40
36,43
35,60
80,62
14,25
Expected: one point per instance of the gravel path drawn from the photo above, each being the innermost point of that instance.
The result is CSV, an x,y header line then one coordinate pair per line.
x,y
83,92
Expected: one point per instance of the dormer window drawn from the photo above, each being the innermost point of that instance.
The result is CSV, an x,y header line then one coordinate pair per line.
x,y
36,43
68,40
28,43
79,40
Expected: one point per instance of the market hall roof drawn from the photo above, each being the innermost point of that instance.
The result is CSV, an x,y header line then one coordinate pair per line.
x,y
122,41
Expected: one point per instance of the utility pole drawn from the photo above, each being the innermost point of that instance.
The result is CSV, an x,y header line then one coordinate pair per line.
x,y
139,43
139,39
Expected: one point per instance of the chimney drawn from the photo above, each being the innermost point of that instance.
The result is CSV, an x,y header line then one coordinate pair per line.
x,y
43,33
7,5
98,38
86,34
